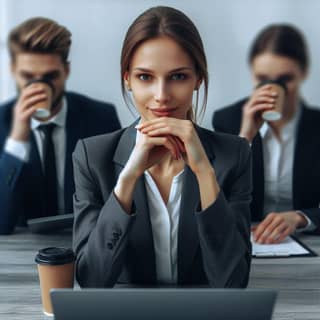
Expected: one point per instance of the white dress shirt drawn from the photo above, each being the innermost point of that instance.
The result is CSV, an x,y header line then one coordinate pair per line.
x,y
278,156
165,221
21,150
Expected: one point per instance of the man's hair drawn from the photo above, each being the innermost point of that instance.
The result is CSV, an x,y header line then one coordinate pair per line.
x,y
40,35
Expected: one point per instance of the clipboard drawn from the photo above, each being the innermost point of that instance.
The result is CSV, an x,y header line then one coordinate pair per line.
x,y
276,251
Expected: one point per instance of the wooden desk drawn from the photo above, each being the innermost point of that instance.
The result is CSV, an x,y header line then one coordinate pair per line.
x,y
296,279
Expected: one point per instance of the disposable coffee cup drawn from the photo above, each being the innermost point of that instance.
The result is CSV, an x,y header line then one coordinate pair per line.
x,y
275,113
56,270
43,107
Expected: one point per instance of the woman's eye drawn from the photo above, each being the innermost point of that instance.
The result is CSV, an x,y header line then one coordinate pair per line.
x,y
144,77
178,76
286,78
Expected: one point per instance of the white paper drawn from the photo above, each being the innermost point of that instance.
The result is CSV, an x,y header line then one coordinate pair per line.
x,y
286,248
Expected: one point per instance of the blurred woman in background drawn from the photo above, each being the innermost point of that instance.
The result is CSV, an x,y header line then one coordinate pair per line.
x,y
286,180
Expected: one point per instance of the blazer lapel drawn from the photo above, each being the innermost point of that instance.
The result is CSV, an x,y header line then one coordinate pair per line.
x,y
258,179
188,239
141,238
301,169
257,203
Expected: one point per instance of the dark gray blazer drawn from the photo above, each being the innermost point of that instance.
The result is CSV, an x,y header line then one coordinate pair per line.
x,y
114,247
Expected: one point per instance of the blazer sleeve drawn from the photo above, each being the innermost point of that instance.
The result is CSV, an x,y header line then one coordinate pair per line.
x,y
314,215
10,169
100,228
224,229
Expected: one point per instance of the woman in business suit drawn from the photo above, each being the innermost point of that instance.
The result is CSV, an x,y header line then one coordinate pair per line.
x,y
286,185
164,201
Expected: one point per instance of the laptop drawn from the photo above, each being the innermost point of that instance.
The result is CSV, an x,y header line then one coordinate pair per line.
x,y
163,304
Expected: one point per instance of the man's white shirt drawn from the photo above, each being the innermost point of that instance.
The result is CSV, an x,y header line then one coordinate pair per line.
x,y
21,150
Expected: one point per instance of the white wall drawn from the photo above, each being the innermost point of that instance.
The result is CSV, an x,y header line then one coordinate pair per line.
x,y
227,28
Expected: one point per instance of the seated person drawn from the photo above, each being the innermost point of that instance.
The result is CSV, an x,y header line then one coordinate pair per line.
x,y
36,176
286,179
164,201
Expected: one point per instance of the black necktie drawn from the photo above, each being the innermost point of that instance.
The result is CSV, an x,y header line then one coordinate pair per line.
x,y
50,171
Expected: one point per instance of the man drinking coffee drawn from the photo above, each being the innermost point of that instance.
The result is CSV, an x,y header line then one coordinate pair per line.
x,y
40,127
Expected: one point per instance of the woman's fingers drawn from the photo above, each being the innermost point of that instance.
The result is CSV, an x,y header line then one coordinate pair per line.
x,y
155,128
167,142
185,139
262,96
173,142
180,144
164,127
286,232
274,234
260,232
167,123
266,90
260,108
274,228
181,129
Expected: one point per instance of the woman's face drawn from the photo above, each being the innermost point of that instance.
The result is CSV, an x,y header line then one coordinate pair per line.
x,y
162,78
269,66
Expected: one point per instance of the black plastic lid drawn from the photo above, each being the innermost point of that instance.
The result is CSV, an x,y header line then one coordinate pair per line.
x,y
278,82
54,256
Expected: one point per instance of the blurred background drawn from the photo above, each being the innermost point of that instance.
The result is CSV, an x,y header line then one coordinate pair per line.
x,y
227,28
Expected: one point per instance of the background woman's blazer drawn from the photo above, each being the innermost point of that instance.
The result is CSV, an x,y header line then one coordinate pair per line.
x,y
306,164
112,246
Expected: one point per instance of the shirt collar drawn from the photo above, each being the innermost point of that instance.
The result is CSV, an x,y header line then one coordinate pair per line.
x,y
287,130
59,119
264,129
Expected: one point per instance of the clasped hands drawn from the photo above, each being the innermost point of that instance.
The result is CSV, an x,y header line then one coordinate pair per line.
x,y
162,135
159,138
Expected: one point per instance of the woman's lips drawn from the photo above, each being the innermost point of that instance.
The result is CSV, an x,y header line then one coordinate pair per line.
x,y
162,112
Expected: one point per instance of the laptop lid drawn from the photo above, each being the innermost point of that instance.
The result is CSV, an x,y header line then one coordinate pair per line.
x,y
163,304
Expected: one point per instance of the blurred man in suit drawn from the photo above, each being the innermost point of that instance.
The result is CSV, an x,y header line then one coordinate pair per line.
x,y
36,175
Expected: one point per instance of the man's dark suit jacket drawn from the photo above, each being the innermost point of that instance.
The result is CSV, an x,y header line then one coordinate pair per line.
x,y
112,246
306,166
21,184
